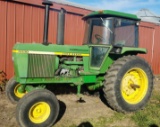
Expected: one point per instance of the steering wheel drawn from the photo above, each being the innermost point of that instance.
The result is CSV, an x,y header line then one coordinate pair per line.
x,y
99,38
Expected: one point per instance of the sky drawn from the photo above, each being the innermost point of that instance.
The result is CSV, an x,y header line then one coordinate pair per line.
x,y
128,6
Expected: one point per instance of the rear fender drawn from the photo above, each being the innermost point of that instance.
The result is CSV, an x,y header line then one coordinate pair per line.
x,y
127,50
117,52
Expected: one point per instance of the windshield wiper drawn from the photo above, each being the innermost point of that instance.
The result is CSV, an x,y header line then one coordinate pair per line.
x,y
105,25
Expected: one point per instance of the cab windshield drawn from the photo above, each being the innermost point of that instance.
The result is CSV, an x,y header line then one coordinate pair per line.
x,y
115,31
98,31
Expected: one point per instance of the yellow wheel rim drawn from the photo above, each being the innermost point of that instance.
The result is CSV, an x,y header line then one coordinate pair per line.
x,y
134,85
39,112
17,93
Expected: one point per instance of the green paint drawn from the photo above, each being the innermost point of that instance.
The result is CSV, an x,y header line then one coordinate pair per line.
x,y
20,64
133,49
89,79
95,86
30,88
21,89
36,64
110,13
79,90
51,48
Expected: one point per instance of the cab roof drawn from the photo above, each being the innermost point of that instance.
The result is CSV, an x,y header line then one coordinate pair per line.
x,y
110,13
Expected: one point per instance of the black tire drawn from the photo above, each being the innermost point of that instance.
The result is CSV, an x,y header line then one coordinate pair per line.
x,y
128,84
11,91
38,108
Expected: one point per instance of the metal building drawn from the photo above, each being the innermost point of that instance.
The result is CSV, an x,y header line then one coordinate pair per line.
x,y
149,37
148,16
22,21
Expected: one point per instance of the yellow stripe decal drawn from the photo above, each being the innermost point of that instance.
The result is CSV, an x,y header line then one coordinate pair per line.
x,y
49,53
20,51
16,51
70,54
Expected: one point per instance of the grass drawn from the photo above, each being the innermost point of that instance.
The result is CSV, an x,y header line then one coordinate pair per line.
x,y
110,121
148,117
103,121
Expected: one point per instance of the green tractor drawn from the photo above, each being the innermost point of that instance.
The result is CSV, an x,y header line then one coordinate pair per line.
x,y
107,60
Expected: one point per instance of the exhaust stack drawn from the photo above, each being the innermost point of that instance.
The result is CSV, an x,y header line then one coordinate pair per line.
x,y
61,26
46,21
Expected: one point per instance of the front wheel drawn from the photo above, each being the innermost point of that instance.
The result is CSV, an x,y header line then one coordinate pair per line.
x,y
12,91
128,84
38,108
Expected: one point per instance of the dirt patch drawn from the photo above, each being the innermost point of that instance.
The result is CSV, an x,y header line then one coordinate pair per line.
x,y
72,112
76,113
7,112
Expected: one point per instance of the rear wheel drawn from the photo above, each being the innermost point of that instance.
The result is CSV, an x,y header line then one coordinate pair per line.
x,y
12,91
128,84
38,108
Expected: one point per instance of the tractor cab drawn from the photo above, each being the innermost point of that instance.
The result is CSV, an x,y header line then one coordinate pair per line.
x,y
111,28
110,32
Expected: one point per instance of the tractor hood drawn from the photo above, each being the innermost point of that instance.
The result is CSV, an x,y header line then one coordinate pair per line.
x,y
51,49
37,60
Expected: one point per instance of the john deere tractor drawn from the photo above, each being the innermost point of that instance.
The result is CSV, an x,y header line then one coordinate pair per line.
x,y
107,60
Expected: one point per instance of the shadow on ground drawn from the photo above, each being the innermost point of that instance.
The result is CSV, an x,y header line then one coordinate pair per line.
x,y
153,125
61,111
85,124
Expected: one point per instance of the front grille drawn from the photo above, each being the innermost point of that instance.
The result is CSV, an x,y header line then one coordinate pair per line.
x,y
41,65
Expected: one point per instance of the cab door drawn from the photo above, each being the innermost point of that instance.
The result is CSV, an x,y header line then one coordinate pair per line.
x,y
99,54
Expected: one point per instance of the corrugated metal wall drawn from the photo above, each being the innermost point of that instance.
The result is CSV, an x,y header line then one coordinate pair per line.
x,y
22,21
149,37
